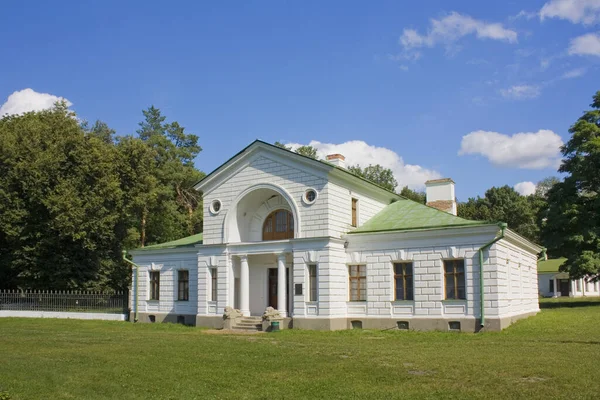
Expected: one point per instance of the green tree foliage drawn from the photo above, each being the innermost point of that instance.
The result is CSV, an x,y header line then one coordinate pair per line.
x,y
572,221
308,151
419,197
74,196
377,174
504,204
61,200
160,218
543,187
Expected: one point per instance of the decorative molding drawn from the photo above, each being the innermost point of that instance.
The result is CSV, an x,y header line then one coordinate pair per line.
x,y
401,255
454,252
156,267
212,261
356,257
312,256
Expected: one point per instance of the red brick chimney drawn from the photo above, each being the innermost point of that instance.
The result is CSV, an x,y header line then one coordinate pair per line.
x,y
337,159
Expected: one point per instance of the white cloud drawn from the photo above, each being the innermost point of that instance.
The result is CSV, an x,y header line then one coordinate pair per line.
x,y
363,154
451,28
524,14
531,150
576,11
29,100
574,73
585,45
521,92
525,188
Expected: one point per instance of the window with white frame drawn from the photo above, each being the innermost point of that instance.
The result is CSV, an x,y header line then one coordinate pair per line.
x,y
154,285
183,285
454,276
213,284
403,281
313,285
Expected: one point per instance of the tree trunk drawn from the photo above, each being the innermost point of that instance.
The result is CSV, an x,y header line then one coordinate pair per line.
x,y
190,211
143,228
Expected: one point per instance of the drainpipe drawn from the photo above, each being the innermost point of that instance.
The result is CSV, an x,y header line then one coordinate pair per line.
x,y
543,255
502,226
135,288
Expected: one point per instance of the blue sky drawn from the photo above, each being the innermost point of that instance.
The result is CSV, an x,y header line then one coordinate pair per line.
x,y
433,89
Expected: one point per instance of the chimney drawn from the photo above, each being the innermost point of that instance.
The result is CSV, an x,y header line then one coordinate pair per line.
x,y
440,195
337,159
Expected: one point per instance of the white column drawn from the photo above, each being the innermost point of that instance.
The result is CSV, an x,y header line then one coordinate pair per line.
x,y
244,286
281,283
555,294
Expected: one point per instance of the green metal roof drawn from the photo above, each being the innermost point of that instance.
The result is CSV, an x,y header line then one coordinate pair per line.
x,y
188,241
551,265
407,215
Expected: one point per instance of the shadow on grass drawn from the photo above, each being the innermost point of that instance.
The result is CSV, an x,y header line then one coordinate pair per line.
x,y
569,304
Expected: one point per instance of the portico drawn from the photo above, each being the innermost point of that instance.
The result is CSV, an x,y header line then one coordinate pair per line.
x,y
260,281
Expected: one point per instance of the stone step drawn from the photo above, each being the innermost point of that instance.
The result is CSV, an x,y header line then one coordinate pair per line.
x,y
247,328
249,325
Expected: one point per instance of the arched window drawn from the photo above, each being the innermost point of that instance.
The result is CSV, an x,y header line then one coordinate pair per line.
x,y
279,225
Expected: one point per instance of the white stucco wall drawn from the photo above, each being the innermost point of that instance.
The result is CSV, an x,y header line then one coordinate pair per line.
x,y
340,208
168,263
516,288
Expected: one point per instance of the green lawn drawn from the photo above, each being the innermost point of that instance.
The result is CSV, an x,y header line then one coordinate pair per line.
x,y
555,354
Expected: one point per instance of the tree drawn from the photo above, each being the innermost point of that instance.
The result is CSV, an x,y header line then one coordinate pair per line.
x,y
503,204
308,151
377,174
572,225
72,197
62,201
419,197
543,187
160,217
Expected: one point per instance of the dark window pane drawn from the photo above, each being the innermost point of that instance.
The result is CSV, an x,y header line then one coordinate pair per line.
x,y
449,267
450,292
399,288
409,288
398,269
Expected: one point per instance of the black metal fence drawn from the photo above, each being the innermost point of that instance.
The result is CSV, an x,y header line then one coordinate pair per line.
x,y
64,301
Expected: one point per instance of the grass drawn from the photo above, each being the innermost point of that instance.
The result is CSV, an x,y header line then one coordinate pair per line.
x,y
552,355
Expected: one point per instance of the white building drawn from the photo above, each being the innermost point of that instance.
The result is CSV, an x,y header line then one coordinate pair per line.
x,y
331,250
553,283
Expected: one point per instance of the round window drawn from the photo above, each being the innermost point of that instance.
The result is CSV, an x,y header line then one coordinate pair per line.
x,y
215,206
310,196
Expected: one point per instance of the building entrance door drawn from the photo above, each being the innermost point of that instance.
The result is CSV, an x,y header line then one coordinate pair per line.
x,y
273,280
564,287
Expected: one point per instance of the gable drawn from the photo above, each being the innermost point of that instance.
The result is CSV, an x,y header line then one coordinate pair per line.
x,y
252,155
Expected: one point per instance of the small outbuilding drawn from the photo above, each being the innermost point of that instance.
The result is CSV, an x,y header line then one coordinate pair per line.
x,y
553,283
